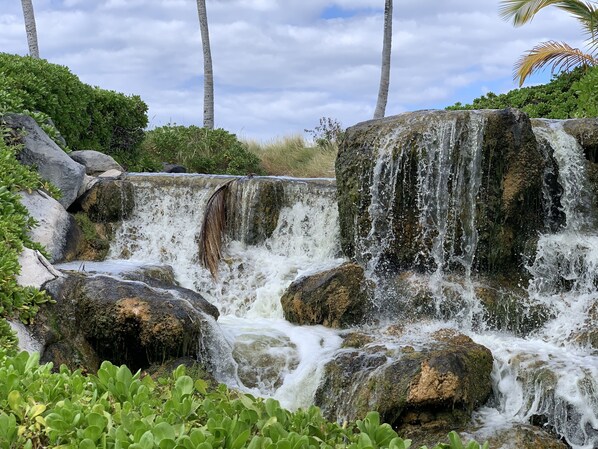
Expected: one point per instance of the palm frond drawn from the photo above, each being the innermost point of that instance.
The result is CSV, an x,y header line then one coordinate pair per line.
x,y
211,236
523,11
558,54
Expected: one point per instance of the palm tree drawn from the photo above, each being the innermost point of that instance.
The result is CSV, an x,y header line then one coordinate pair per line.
x,y
558,54
385,71
30,28
208,75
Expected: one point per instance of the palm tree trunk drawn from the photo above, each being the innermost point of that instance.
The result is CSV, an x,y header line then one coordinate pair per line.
x,y
208,75
30,28
385,72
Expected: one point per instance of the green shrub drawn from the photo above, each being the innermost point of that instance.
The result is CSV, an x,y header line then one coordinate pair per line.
x,y
200,150
88,118
557,100
15,223
119,409
587,92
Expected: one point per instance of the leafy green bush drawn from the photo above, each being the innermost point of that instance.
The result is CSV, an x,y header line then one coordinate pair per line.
x,y
587,92
200,150
88,118
558,99
118,409
15,223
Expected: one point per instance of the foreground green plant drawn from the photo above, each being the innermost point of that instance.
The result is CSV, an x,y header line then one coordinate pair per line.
x,y
118,409
15,224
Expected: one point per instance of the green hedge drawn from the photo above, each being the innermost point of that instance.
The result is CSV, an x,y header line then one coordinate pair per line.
x,y
200,150
557,100
88,118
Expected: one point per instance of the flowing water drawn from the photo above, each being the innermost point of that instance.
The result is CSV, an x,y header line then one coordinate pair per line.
x,y
548,376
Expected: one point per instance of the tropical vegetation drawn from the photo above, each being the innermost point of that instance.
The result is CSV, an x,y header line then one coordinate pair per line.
x,y
568,95
560,55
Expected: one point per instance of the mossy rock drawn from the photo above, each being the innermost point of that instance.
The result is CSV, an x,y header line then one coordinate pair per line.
x,y
96,238
508,211
108,201
445,380
334,298
253,207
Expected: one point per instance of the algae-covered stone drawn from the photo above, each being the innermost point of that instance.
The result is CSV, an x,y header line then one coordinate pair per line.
x,y
253,206
444,380
411,182
123,321
109,200
334,298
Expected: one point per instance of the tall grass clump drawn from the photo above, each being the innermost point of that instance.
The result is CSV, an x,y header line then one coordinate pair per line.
x,y
293,156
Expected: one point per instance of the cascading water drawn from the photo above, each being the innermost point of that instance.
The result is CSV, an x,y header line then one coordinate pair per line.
x,y
275,358
550,376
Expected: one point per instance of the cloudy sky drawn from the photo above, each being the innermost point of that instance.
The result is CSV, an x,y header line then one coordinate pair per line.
x,y
280,65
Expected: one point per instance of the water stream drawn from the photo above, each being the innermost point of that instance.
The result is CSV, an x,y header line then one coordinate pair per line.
x,y
549,375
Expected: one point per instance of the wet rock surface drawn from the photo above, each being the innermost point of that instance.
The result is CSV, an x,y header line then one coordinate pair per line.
x,y
441,382
508,209
334,298
108,201
101,317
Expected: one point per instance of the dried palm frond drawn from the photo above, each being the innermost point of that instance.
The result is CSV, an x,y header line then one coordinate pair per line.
x,y
211,236
559,54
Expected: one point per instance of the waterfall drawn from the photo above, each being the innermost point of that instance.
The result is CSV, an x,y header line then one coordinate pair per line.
x,y
424,182
164,227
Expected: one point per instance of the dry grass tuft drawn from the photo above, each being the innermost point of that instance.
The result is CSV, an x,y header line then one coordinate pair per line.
x,y
293,156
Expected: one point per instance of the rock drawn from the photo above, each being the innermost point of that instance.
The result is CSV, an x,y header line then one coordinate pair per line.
x,y
108,201
52,163
35,269
122,321
262,200
587,334
95,162
88,183
161,276
57,231
441,382
111,174
173,168
402,153
333,298
585,131
521,436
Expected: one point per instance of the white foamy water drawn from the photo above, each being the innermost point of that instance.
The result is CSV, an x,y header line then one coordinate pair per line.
x,y
251,278
550,375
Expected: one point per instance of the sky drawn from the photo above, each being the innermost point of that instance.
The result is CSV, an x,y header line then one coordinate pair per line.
x,y
281,65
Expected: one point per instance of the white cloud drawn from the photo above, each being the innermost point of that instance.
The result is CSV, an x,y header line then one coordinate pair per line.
x,y
279,65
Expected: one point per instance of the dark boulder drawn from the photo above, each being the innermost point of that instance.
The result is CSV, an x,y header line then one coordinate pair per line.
x,y
108,201
440,382
101,317
334,298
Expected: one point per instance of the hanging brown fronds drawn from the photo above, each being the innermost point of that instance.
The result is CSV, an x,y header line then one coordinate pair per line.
x,y
211,236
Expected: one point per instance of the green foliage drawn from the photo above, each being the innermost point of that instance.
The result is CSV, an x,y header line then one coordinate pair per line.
x,y
200,150
558,99
587,92
328,133
88,118
8,339
119,409
15,223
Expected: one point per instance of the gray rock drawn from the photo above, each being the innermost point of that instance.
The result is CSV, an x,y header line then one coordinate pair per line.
x,y
173,168
112,173
53,164
95,162
35,269
57,230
